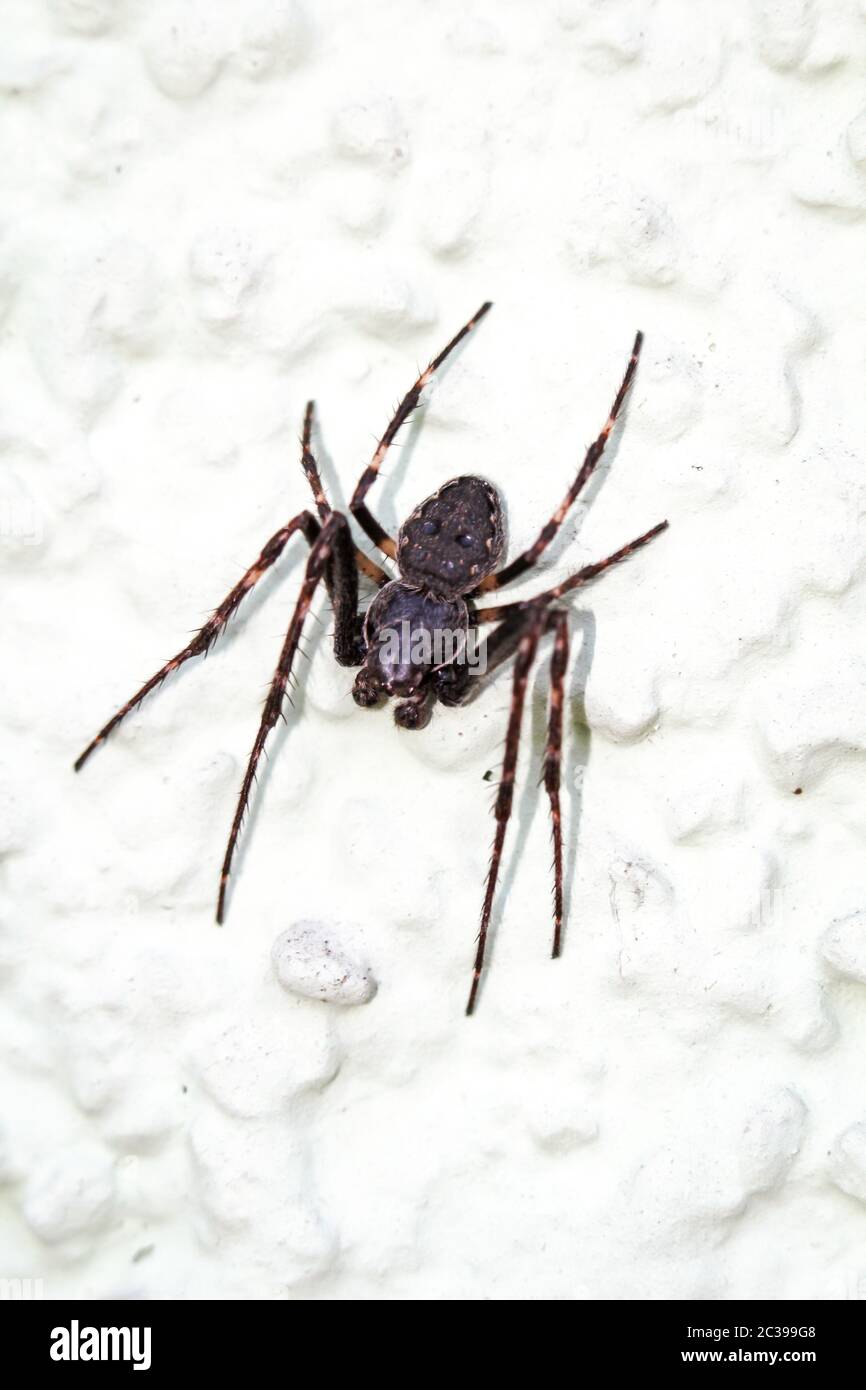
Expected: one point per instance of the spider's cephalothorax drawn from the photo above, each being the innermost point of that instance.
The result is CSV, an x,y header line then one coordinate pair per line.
x,y
411,643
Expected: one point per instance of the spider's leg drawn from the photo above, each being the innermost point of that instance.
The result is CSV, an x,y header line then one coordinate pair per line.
x,y
499,646
575,581
309,465
552,762
323,506
206,636
522,563
362,515
334,549
527,645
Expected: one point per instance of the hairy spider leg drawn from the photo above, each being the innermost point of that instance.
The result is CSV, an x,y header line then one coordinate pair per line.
x,y
364,517
553,763
521,633
521,627
334,549
575,581
323,506
527,646
207,635
522,563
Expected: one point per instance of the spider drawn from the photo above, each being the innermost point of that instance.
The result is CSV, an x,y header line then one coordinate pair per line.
x,y
447,554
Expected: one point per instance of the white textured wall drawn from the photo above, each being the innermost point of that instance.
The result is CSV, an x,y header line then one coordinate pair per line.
x,y
210,212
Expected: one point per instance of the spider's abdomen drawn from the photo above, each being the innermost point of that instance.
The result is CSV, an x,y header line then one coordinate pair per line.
x,y
409,634
454,539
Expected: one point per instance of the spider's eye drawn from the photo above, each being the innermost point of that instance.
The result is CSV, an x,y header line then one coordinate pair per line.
x,y
463,540
429,528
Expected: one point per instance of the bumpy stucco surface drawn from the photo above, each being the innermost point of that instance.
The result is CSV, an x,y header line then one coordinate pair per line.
x,y
212,211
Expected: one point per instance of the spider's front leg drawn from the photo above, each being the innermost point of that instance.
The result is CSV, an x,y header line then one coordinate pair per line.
x,y
358,507
530,557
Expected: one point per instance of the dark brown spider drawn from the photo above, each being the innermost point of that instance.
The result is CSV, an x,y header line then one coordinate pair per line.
x,y
447,555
